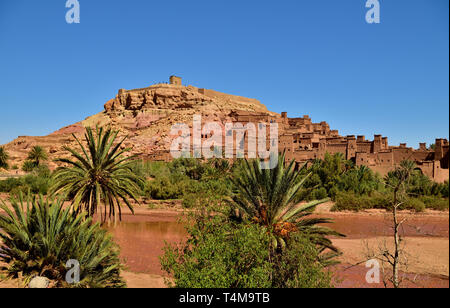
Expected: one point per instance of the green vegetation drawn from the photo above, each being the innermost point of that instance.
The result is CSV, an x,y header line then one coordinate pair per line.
x,y
38,237
358,188
267,241
99,175
270,198
37,155
37,182
195,182
252,227
4,156
334,174
221,253
28,166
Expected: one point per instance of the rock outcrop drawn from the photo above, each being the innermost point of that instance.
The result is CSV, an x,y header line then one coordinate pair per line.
x,y
145,115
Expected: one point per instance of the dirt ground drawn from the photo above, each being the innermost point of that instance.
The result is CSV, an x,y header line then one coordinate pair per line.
x,y
424,256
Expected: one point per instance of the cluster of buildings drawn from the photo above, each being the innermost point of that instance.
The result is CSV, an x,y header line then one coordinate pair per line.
x,y
304,141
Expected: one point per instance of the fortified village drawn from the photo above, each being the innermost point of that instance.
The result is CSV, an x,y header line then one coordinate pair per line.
x,y
146,116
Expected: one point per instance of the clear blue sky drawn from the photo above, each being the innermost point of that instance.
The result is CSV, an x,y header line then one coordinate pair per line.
x,y
302,56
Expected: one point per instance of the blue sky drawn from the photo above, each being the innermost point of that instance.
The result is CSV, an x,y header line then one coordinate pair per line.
x,y
302,56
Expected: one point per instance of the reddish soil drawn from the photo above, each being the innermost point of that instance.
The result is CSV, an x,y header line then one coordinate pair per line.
x,y
349,276
143,236
364,225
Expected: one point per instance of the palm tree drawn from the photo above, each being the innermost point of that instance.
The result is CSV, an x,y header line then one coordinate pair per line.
x,y
37,155
366,181
4,156
38,236
269,197
99,175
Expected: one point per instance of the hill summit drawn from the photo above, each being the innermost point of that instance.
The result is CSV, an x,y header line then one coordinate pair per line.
x,y
147,115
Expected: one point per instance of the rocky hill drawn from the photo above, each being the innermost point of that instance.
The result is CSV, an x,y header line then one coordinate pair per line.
x,y
145,115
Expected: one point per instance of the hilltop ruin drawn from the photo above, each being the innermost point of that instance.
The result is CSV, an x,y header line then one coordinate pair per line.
x,y
146,115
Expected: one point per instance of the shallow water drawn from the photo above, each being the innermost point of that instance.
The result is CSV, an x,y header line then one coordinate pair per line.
x,y
143,237
142,243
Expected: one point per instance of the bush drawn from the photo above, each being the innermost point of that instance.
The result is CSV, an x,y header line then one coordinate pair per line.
x,y
435,203
297,267
163,189
220,256
414,204
28,166
349,201
9,184
223,254
39,237
36,183
193,181
445,189
319,194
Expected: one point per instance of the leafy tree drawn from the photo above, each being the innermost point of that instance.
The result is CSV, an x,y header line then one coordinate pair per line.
x,y
4,157
39,236
99,175
270,198
37,155
223,254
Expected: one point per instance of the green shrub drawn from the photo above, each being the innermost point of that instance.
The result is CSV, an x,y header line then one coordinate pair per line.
x,y
4,157
36,183
319,194
435,203
445,189
9,184
163,189
223,254
39,237
192,201
28,166
349,201
220,256
297,267
191,180
414,204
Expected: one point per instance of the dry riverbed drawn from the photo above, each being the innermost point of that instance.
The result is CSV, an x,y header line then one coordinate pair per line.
x,y
426,242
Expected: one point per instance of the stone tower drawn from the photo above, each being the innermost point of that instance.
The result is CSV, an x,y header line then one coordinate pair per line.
x,y
174,80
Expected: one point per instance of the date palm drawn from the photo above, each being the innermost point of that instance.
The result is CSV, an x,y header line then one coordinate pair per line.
x,y
38,236
269,197
37,155
100,174
4,156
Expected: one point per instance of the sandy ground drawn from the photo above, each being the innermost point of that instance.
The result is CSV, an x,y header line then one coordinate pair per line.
x,y
424,256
